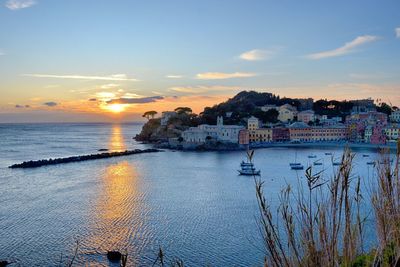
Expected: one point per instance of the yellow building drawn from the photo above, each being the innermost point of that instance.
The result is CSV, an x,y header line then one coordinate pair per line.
x,y
260,135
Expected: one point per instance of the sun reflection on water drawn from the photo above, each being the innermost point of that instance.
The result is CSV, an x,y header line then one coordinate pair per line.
x,y
118,212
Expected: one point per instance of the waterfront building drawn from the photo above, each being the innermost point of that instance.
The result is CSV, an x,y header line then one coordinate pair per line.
x,y
395,116
219,132
244,137
165,116
260,135
253,123
371,116
287,113
300,131
280,134
378,136
306,116
392,132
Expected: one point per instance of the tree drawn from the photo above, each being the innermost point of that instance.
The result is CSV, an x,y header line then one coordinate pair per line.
x,y
384,108
149,114
183,110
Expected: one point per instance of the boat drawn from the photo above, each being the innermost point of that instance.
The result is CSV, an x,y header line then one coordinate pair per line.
x,y
247,168
328,153
312,156
297,167
371,163
243,164
249,172
317,163
365,155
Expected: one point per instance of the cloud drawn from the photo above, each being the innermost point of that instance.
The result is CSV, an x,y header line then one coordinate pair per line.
x,y
114,77
257,55
397,31
22,106
2,53
19,4
221,75
50,104
142,100
345,49
109,86
173,76
203,89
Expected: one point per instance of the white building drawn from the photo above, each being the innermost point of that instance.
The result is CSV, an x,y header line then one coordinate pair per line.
x,y
219,132
268,107
165,116
395,116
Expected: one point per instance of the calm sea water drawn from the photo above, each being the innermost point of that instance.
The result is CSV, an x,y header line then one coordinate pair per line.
x,y
192,204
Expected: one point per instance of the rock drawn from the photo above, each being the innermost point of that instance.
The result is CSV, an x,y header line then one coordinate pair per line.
x,y
114,256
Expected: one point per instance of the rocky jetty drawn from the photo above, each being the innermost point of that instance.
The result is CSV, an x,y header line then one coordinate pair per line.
x,y
44,162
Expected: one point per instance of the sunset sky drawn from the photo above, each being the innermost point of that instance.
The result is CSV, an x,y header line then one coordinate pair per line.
x,y
110,60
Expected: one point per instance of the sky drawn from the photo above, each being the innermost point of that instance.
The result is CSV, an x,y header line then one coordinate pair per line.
x,y
112,60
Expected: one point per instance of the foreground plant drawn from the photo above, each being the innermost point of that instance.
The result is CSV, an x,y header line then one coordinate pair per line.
x,y
321,224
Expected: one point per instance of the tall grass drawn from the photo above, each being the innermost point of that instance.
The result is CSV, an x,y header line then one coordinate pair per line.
x,y
321,223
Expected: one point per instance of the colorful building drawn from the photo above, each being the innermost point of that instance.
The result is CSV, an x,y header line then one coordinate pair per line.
x,y
300,131
280,134
306,116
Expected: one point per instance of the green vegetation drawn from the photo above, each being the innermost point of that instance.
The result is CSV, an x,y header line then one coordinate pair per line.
x,y
149,114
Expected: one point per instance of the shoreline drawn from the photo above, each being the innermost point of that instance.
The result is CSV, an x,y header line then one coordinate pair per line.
x,y
327,145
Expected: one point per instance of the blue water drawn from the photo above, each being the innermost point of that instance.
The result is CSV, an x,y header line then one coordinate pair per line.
x,y
192,204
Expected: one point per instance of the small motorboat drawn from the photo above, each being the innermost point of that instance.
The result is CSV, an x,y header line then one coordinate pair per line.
x,y
365,155
294,164
243,164
328,153
317,163
249,172
312,156
297,167
371,163
336,163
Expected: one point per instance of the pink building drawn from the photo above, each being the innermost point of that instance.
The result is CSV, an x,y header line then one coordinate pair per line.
x,y
299,131
306,116
244,137
378,136
280,134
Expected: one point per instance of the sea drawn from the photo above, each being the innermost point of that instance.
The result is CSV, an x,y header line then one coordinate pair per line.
x,y
192,205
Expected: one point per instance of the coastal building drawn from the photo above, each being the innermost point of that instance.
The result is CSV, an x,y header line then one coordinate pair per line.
x,y
306,116
219,132
378,136
165,116
300,131
280,134
392,132
370,116
253,123
260,135
287,113
363,105
244,137
268,107
395,116
305,103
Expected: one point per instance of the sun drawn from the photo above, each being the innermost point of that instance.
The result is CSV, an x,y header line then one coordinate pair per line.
x,y
116,108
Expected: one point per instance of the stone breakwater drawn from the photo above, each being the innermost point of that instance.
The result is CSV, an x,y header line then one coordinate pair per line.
x,y
45,162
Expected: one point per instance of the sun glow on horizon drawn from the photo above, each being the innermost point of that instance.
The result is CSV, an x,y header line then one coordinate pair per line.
x,y
115,108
